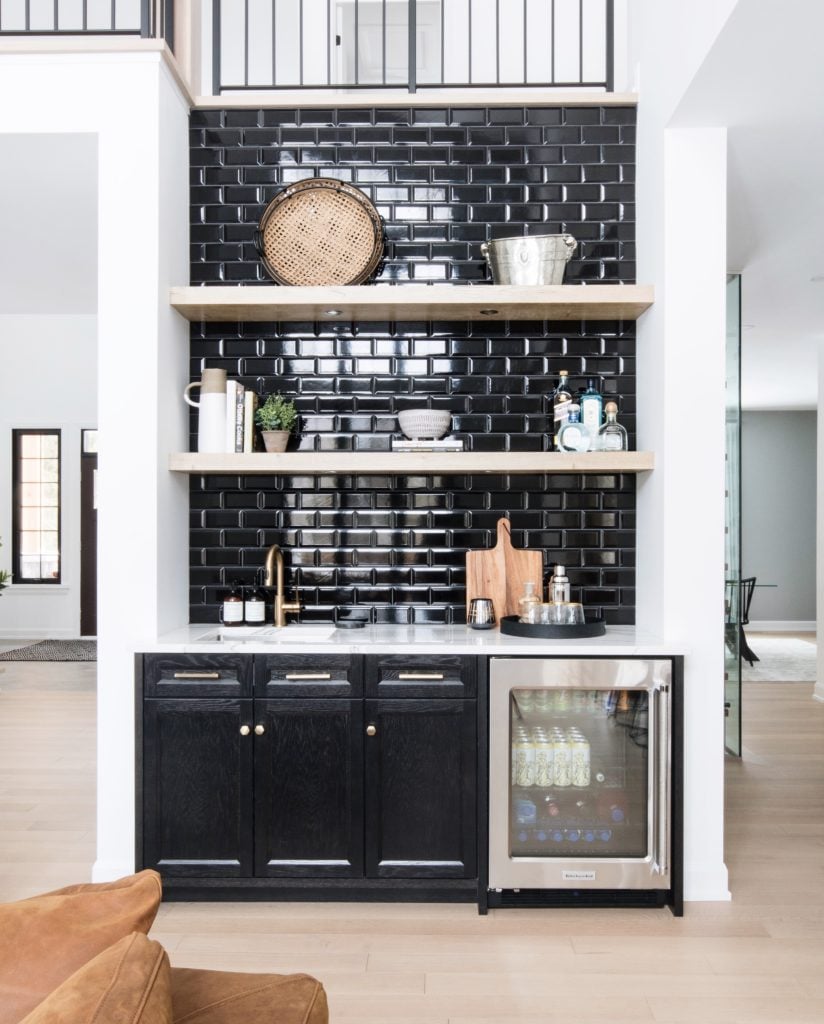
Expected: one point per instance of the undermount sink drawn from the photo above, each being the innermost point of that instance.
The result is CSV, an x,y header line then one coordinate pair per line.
x,y
270,634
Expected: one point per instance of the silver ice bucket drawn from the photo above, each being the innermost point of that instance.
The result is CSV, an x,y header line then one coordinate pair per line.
x,y
535,259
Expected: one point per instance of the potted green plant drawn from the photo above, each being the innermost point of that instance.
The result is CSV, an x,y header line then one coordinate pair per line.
x,y
276,418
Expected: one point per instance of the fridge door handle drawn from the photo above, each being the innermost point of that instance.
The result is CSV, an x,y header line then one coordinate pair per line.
x,y
661,754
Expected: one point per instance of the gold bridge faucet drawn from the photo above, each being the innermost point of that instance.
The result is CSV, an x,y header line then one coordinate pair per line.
x,y
274,558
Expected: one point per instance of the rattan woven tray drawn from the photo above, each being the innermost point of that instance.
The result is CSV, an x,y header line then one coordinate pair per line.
x,y
320,232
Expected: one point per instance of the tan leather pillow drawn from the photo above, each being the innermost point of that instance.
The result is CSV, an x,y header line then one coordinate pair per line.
x,y
45,939
128,983
223,997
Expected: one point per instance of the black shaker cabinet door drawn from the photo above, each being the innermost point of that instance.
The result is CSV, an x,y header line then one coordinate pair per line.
x,y
420,789
308,788
197,791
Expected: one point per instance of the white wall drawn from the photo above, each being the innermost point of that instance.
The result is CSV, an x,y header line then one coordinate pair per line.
x,y
778,514
131,102
49,380
681,239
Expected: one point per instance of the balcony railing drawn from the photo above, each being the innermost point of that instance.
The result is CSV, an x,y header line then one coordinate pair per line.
x,y
151,19
412,44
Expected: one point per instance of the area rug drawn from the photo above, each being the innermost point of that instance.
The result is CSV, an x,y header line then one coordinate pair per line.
x,y
783,660
54,650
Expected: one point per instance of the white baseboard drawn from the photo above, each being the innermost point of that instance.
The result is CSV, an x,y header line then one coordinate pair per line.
x,y
37,634
780,626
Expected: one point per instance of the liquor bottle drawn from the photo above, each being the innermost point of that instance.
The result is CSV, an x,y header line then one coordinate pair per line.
x,y
527,602
612,436
591,409
562,400
573,435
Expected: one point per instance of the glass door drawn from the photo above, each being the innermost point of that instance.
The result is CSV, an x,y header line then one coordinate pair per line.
x,y
732,524
580,773
579,783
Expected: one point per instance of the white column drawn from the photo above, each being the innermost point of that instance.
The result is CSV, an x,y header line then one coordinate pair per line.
x,y
131,102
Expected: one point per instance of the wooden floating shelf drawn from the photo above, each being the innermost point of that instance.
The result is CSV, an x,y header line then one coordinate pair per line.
x,y
413,302
403,463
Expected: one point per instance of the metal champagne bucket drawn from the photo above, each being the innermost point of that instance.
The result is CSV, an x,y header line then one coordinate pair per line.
x,y
535,259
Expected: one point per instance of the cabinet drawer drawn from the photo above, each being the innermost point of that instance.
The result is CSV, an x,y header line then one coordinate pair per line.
x,y
435,675
197,675
308,675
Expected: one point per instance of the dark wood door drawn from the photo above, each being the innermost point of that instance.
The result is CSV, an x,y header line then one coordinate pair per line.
x,y
309,788
198,760
88,544
420,787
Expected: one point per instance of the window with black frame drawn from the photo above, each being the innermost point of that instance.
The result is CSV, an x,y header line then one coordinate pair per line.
x,y
36,506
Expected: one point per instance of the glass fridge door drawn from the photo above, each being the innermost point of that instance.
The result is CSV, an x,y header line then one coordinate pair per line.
x,y
579,773
579,781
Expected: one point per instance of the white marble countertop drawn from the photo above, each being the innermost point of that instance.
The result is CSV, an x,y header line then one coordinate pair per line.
x,y
421,639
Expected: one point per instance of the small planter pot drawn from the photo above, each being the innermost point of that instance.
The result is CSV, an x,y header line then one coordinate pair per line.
x,y
275,440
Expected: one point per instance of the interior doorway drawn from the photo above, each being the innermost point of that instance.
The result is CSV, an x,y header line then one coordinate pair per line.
x,y
88,533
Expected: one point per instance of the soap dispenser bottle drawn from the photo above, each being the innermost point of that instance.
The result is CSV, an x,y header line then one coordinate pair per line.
x,y
233,606
254,608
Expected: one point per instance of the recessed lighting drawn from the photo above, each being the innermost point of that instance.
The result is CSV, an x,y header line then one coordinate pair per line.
x,y
488,312
332,312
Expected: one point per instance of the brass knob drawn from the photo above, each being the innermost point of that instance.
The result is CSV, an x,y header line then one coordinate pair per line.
x,y
245,730
371,730
259,730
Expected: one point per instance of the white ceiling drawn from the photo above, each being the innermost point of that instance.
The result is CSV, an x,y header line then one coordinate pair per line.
x,y
48,224
764,80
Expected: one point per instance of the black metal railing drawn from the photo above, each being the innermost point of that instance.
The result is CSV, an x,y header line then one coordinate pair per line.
x,y
412,44
151,19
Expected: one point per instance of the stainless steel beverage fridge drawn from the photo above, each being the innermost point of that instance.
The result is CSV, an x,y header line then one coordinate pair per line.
x,y
584,782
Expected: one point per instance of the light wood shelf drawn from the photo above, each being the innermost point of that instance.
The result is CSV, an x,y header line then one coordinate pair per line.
x,y
403,463
412,302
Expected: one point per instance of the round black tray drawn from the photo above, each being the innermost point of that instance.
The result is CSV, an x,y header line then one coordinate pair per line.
x,y
512,625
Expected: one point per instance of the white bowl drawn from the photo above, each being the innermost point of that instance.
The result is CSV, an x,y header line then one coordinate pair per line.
x,y
425,424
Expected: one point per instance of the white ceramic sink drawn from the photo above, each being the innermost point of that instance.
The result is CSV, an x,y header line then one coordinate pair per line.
x,y
270,634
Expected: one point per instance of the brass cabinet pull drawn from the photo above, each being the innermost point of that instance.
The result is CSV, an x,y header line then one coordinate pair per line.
x,y
259,730
245,730
371,730
308,675
420,675
196,675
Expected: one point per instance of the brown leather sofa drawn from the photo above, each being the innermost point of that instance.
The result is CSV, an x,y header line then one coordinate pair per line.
x,y
81,955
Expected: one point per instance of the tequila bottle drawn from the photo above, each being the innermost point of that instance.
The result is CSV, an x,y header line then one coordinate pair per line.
x,y
612,437
573,435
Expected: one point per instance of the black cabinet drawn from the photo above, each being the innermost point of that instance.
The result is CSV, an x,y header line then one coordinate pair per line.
x,y
308,788
273,775
420,789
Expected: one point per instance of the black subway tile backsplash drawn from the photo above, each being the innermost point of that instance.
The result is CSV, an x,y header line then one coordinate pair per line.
x,y
445,180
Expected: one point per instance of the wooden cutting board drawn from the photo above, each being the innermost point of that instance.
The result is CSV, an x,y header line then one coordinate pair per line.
x,y
500,572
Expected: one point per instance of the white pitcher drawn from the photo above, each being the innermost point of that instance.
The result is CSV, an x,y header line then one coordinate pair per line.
x,y
211,417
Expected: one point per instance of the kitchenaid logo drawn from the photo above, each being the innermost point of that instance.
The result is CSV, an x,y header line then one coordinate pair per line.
x,y
578,876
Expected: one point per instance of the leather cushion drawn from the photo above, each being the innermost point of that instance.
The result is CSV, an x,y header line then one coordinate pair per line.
x,y
45,939
221,997
128,983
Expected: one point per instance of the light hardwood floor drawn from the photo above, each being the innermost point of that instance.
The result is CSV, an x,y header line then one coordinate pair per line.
x,y
759,958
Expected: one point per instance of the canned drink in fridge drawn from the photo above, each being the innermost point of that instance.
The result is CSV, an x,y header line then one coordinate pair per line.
x,y
544,760
562,761
580,761
523,761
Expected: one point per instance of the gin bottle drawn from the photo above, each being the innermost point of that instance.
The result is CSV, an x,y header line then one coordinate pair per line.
x,y
591,408
573,435
612,437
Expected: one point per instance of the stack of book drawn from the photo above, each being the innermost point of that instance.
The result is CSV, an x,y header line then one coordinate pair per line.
x,y
446,444
241,403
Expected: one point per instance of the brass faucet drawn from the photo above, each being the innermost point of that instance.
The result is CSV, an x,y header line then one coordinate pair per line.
x,y
274,557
